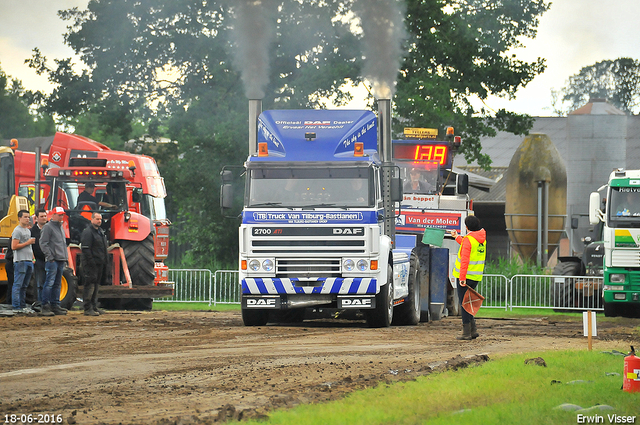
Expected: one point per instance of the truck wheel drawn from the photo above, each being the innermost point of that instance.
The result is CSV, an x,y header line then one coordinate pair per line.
x,y
564,293
382,315
453,302
408,313
610,310
255,317
141,262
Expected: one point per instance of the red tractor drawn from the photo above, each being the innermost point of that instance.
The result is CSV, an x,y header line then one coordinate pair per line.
x,y
131,235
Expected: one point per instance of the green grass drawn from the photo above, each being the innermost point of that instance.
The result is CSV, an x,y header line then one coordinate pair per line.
x,y
160,306
504,391
501,313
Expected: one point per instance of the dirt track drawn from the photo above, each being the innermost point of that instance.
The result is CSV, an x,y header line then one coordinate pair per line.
x,y
183,367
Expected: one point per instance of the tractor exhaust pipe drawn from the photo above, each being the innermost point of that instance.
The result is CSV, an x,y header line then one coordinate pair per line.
x,y
255,109
384,147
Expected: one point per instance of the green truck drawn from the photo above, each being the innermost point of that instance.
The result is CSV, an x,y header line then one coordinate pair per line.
x,y
621,236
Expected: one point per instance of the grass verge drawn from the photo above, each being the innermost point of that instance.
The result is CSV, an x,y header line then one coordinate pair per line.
x,y
504,391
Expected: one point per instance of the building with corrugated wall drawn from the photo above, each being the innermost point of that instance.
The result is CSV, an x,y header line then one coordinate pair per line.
x,y
592,140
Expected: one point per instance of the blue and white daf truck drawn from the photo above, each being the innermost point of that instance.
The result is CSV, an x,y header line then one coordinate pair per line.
x,y
318,222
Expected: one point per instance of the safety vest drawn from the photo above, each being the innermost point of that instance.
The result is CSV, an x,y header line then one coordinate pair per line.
x,y
476,260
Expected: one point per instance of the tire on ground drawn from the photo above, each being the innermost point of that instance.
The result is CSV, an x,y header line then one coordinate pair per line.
x,y
382,315
141,262
408,313
68,288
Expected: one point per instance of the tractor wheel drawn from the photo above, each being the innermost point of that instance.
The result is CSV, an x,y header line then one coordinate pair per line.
x,y
564,293
68,288
408,313
382,315
141,262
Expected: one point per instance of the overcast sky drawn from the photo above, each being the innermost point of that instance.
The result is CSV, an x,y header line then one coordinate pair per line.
x,y
572,34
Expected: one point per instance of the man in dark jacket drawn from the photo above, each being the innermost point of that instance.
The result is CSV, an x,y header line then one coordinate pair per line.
x,y
54,246
36,230
94,263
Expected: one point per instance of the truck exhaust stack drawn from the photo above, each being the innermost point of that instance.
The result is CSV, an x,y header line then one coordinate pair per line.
x,y
384,147
255,109
384,126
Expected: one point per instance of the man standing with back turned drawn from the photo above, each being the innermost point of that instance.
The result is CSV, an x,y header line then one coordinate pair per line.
x,y
94,263
54,246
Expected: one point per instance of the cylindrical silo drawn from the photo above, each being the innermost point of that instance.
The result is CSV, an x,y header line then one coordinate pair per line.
x,y
535,162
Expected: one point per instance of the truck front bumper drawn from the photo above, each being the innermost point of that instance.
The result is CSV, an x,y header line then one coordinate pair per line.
x,y
329,285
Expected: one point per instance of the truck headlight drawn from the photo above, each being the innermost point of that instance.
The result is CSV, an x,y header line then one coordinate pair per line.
x,y
613,288
362,265
348,265
617,277
267,265
254,265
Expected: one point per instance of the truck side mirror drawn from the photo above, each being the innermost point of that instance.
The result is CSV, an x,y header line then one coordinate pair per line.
x,y
462,184
227,176
136,196
226,196
594,208
396,189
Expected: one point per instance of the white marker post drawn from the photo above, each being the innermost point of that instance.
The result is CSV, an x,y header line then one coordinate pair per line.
x,y
589,325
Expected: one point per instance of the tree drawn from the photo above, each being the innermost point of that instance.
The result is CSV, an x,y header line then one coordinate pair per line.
x,y
617,80
457,50
177,67
19,113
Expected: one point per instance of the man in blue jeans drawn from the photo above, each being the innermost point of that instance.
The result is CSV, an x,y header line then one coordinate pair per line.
x,y
54,246
21,242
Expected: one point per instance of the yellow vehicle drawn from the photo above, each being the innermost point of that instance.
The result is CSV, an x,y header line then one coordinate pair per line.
x,y
10,204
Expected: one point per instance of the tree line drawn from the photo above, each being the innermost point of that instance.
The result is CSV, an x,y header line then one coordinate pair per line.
x,y
166,68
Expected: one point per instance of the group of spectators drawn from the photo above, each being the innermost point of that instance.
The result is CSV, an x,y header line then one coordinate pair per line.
x,y
41,248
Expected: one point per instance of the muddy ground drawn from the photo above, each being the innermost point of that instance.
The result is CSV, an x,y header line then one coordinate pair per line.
x,y
204,367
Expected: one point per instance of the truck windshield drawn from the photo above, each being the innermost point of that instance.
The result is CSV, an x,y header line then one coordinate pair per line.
x,y
624,207
419,176
310,187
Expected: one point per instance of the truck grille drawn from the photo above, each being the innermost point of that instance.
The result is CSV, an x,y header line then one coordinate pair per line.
x,y
308,252
625,258
308,267
318,246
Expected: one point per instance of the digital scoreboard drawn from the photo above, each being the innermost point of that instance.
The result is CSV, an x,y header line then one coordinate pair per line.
x,y
422,151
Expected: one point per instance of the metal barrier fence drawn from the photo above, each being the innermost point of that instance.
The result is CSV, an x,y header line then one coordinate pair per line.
x,y
227,287
202,285
495,289
190,285
521,291
556,292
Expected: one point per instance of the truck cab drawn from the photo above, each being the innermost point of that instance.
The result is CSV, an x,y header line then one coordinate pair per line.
x,y
621,236
312,231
